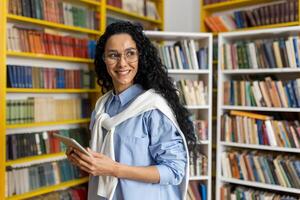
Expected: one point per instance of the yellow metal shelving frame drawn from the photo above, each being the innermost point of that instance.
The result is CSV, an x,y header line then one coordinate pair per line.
x,y
49,57
48,189
2,96
51,24
34,90
99,6
33,158
39,124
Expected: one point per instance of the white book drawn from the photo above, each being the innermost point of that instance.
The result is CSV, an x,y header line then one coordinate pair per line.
x,y
291,52
193,54
256,97
270,133
253,55
178,57
258,93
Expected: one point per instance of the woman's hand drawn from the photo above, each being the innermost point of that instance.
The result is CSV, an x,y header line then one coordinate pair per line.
x,y
98,165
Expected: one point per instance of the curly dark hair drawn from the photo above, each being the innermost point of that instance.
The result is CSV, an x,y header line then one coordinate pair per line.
x,y
151,73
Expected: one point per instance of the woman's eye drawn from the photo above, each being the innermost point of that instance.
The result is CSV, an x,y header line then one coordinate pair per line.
x,y
112,55
130,53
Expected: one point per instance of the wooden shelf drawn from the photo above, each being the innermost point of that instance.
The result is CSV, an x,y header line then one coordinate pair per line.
x,y
261,71
228,5
261,147
130,14
267,109
39,158
261,27
52,24
37,90
49,57
261,185
39,124
188,71
48,189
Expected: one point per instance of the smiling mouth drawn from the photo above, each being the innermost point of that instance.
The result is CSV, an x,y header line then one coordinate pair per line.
x,y
123,72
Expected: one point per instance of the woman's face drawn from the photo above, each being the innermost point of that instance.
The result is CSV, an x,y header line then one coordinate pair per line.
x,y
121,59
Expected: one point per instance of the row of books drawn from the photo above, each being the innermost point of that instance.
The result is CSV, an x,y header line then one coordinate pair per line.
x,y
184,54
49,78
201,129
196,191
56,11
47,41
46,109
229,192
268,93
279,12
192,92
38,143
249,130
26,179
145,8
279,169
78,193
198,164
262,53
206,2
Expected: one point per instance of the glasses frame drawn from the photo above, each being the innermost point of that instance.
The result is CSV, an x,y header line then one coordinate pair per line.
x,y
120,55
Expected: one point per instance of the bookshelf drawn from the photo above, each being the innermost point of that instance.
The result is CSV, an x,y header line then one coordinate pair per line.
x,y
36,59
224,7
228,7
117,10
247,145
166,40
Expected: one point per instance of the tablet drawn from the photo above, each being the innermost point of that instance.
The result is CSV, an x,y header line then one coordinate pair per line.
x,y
70,142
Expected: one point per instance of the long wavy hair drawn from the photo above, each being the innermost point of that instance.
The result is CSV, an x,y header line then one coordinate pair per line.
x,y
151,73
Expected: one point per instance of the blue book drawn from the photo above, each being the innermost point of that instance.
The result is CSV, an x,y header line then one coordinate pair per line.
x,y
291,94
30,77
250,157
203,191
295,44
269,52
296,164
11,81
296,93
260,131
26,76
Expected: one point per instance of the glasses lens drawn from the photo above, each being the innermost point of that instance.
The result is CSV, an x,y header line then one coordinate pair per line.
x,y
131,55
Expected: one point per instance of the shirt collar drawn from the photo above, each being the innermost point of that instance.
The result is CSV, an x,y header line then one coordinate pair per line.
x,y
128,94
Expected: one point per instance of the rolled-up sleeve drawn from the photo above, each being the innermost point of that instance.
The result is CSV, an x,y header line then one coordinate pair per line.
x,y
167,149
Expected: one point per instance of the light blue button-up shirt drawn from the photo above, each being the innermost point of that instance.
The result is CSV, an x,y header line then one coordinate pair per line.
x,y
148,139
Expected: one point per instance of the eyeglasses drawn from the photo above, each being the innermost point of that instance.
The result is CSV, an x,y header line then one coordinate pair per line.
x,y
130,55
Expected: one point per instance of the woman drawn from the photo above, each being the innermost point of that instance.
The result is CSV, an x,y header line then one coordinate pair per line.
x,y
140,131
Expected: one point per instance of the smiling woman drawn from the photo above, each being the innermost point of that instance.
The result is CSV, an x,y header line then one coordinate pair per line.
x,y
140,131
122,69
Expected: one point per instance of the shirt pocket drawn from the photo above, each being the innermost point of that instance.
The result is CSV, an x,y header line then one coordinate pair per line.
x,y
134,151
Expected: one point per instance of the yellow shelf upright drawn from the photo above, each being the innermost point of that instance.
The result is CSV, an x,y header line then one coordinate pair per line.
x,y
3,9
161,8
103,16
